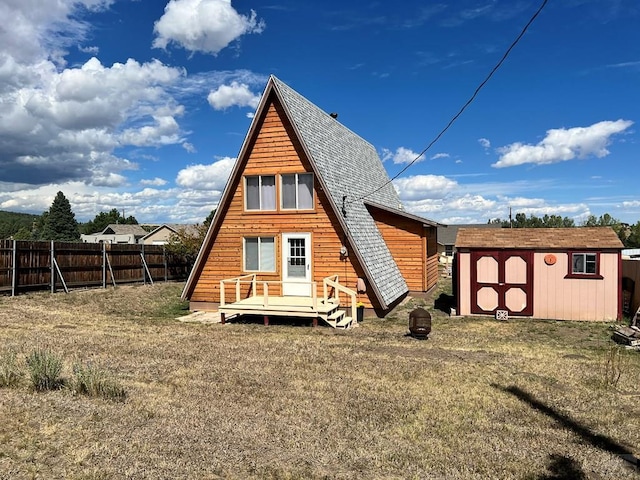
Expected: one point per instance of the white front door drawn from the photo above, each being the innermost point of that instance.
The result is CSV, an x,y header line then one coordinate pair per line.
x,y
296,264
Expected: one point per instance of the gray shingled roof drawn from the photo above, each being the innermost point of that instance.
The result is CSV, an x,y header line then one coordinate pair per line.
x,y
124,229
348,165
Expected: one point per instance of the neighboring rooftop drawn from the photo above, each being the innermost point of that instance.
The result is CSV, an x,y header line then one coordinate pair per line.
x,y
124,229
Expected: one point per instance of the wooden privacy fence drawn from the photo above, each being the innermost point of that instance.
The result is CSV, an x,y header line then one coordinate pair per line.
x,y
26,265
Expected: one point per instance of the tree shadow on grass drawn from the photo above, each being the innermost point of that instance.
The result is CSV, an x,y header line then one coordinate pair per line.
x,y
602,442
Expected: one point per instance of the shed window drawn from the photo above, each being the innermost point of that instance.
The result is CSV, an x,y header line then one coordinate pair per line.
x,y
297,191
260,192
584,265
259,254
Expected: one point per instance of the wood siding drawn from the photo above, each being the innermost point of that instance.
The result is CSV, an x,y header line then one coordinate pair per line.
x,y
275,150
413,247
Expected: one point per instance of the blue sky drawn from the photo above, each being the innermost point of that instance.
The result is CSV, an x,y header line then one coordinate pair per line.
x,y
143,105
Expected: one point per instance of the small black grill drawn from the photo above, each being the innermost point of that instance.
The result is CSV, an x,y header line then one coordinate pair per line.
x,y
420,323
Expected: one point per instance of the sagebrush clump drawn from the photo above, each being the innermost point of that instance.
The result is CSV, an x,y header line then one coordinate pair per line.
x,y
10,371
91,380
45,368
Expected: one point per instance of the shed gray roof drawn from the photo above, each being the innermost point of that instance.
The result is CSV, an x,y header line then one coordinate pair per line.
x,y
348,165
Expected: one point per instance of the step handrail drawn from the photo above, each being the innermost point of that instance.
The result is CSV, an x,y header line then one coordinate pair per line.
x,y
329,282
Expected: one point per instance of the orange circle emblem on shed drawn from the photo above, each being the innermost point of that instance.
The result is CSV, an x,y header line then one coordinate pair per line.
x,y
550,259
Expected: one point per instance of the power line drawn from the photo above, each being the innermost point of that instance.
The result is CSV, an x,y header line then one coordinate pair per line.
x,y
464,107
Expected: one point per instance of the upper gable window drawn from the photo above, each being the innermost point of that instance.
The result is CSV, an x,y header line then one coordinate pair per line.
x,y
297,191
584,265
260,192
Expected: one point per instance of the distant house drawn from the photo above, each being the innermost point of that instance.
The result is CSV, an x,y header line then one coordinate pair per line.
x,y
447,236
551,273
162,234
308,200
116,233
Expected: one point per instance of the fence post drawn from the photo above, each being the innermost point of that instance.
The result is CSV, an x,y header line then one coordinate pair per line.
x,y
14,268
144,275
104,265
53,269
164,262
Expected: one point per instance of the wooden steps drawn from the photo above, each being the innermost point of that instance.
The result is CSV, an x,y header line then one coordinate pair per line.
x,y
338,319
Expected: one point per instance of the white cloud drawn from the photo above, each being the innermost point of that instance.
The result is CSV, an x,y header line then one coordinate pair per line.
x,y
563,144
485,143
206,177
206,26
440,155
153,182
64,125
189,147
235,94
402,155
166,131
424,187
93,50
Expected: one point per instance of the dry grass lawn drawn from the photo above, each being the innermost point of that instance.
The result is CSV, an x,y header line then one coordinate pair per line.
x,y
479,399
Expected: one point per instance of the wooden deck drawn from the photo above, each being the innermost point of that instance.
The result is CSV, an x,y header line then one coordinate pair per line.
x,y
281,306
326,308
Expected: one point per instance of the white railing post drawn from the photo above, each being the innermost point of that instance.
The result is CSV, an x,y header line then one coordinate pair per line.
x,y
314,294
238,289
354,309
254,285
265,289
222,301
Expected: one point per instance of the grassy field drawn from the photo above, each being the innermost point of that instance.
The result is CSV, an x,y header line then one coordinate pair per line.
x,y
478,399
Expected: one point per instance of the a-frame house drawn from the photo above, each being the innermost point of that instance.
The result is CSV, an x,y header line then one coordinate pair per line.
x,y
309,205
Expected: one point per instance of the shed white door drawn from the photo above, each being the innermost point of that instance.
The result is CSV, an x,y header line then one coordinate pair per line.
x,y
296,264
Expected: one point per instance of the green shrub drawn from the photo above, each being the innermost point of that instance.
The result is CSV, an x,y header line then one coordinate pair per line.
x,y
95,382
10,372
44,369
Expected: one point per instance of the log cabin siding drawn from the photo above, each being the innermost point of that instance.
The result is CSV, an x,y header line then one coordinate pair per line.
x,y
413,246
432,258
275,151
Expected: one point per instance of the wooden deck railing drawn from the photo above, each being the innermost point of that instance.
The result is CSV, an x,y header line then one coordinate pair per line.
x,y
331,288
252,279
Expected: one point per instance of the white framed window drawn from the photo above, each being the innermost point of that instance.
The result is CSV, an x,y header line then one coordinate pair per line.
x,y
260,192
296,191
259,254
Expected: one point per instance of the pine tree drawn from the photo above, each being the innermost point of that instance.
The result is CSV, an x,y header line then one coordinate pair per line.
x,y
103,219
60,222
